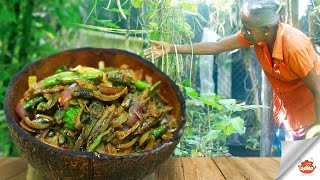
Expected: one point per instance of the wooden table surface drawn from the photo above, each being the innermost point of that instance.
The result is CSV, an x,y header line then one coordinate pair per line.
x,y
177,168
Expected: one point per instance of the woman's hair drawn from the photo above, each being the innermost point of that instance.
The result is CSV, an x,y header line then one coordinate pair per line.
x,y
266,12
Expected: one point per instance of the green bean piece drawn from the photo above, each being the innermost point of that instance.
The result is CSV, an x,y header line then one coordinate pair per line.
x,y
83,92
73,102
59,115
128,144
144,137
89,127
70,116
84,117
126,103
61,78
141,84
96,142
157,132
61,70
119,78
154,88
68,78
62,139
41,106
151,142
32,102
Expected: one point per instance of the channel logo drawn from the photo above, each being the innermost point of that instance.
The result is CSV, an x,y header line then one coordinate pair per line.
x,y
306,167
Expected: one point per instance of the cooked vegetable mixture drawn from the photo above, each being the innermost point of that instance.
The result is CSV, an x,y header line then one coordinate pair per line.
x,y
107,110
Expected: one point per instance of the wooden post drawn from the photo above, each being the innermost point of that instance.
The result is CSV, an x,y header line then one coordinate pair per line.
x,y
249,63
295,13
312,24
224,75
224,66
267,121
292,17
207,64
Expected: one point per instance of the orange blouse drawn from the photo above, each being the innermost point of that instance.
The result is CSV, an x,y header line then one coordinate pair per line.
x,y
294,57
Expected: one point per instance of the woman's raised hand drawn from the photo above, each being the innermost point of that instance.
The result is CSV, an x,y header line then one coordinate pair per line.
x,y
157,50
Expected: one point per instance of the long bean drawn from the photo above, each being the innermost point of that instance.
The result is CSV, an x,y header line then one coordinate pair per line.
x,y
97,140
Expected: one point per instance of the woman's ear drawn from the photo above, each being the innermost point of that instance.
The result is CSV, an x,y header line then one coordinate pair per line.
x,y
267,30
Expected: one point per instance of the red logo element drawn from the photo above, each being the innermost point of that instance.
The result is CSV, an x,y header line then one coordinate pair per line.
x,y
306,167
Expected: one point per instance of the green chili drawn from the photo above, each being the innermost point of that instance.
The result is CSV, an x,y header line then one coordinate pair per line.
x,y
70,116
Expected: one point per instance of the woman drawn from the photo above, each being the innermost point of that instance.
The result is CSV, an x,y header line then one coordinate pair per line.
x,y
285,54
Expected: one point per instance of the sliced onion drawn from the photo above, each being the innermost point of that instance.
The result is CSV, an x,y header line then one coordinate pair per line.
x,y
25,126
21,111
66,95
103,97
109,90
137,107
38,123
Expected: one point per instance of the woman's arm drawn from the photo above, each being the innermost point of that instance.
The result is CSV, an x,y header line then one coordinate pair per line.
x,y
312,81
162,48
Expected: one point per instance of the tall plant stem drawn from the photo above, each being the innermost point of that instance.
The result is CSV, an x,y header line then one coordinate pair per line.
x,y
191,63
93,9
208,116
26,23
127,33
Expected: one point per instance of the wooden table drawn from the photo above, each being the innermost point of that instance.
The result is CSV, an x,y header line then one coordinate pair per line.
x,y
176,169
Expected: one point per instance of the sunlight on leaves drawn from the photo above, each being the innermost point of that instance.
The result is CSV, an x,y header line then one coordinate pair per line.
x,y
238,124
137,3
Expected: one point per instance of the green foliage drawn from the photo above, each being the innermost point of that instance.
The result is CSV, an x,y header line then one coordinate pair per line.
x,y
210,120
253,143
152,20
137,3
30,30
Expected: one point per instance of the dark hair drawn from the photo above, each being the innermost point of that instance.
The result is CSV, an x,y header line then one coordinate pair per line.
x,y
267,12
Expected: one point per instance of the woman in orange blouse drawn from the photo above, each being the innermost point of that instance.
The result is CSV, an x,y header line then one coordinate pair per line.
x,y
285,54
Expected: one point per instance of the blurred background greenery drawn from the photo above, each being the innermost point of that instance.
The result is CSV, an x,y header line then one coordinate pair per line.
x,y
217,119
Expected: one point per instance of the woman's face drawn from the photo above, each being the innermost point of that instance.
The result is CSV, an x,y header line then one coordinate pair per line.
x,y
252,33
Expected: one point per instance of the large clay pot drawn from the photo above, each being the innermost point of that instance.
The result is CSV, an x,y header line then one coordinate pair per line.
x,y
66,164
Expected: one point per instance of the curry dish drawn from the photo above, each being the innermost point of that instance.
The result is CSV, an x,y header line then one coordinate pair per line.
x,y
107,110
